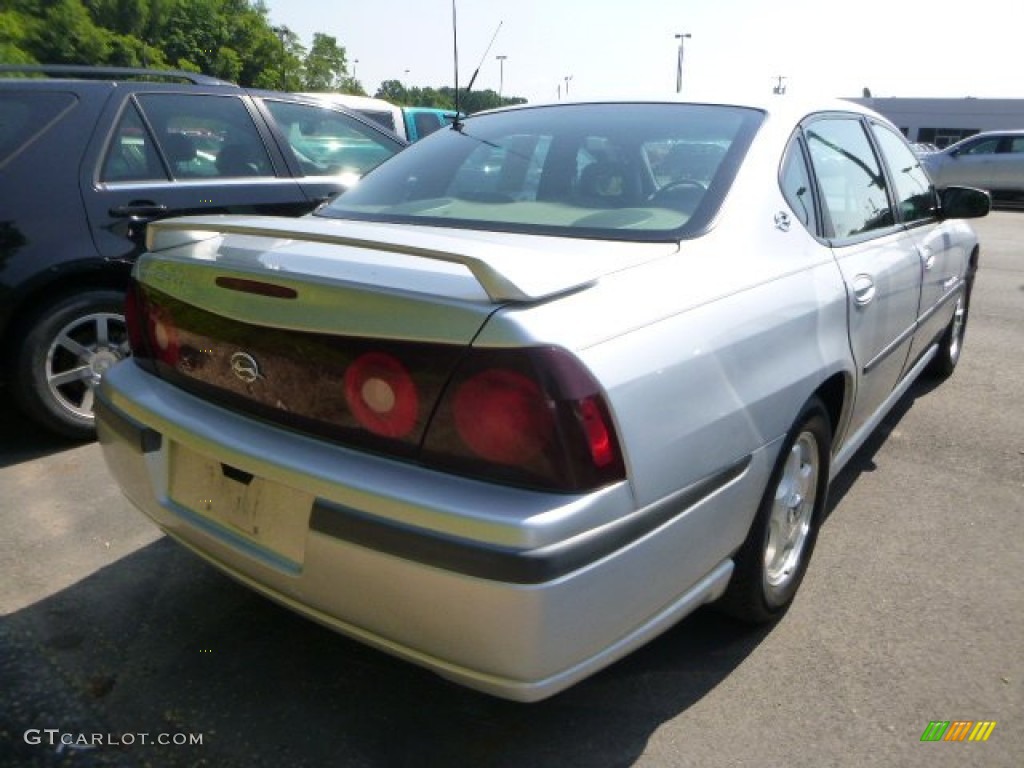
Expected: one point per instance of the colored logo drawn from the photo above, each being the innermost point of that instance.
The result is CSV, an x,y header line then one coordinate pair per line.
x,y
958,730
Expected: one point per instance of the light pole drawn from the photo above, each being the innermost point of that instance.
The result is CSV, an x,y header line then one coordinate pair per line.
x,y
355,65
282,33
780,86
679,61
501,80
567,79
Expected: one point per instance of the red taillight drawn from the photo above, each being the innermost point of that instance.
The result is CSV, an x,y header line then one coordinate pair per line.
x,y
532,417
151,329
133,318
502,416
599,437
162,334
382,395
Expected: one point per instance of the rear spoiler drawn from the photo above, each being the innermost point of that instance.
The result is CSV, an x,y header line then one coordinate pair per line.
x,y
507,273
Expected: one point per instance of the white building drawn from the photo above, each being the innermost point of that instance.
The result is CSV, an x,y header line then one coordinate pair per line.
x,y
944,121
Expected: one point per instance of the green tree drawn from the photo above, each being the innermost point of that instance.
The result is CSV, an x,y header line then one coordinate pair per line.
x,y
15,30
325,64
393,91
67,35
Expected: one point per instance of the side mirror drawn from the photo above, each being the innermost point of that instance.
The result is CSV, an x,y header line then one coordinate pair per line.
x,y
964,203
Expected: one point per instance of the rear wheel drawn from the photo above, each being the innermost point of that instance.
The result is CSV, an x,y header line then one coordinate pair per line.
x,y
63,354
772,561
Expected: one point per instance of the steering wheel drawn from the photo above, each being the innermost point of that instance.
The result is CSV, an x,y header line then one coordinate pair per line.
x,y
675,185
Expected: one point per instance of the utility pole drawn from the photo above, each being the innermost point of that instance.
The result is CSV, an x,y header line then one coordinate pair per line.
x,y
681,37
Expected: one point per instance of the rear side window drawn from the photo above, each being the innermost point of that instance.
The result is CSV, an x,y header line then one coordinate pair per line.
x,y
202,136
132,154
853,187
797,187
24,117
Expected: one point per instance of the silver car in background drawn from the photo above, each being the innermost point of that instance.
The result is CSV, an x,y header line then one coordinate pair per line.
x,y
991,160
545,382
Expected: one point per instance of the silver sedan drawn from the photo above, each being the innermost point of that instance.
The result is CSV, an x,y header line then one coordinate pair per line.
x,y
547,381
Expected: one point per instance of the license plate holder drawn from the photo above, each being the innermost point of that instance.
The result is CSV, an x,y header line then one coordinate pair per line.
x,y
269,515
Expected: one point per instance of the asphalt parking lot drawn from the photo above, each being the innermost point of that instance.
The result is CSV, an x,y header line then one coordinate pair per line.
x,y
120,648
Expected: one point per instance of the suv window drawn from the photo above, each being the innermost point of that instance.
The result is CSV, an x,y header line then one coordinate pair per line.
x,y
851,179
204,136
915,195
131,155
329,143
25,116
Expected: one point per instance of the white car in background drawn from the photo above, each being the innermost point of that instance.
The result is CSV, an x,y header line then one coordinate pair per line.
x,y
545,382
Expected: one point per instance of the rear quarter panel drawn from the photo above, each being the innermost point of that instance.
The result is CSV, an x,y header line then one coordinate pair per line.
x,y
707,355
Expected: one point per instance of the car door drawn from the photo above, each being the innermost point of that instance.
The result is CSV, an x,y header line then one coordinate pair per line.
x,y
878,258
173,153
943,264
974,164
1011,173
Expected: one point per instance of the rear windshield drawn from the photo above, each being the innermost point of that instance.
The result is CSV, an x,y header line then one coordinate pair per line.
x,y
609,171
25,116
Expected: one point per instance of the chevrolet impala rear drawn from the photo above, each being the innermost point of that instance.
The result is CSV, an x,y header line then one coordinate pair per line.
x,y
513,405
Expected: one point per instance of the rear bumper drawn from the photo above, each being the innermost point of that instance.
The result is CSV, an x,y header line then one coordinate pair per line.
x,y
513,592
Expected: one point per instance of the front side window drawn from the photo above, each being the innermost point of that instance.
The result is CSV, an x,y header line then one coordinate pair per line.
x,y
630,172
853,186
330,143
982,147
915,195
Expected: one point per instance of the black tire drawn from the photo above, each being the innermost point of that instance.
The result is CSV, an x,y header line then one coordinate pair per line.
x,y
773,560
65,348
952,342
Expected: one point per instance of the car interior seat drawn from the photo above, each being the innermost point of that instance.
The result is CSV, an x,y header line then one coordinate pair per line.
x,y
239,159
607,184
180,153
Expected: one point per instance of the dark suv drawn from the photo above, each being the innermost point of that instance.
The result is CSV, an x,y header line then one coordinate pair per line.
x,y
88,156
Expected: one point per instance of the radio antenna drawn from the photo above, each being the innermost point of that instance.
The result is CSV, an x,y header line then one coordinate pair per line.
x,y
456,124
477,71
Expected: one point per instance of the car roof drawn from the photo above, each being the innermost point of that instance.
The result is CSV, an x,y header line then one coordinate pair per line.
x,y
783,108
36,72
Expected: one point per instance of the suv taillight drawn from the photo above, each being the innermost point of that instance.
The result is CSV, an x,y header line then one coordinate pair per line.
x,y
531,416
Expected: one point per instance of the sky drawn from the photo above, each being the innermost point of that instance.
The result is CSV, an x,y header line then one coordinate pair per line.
x,y
592,49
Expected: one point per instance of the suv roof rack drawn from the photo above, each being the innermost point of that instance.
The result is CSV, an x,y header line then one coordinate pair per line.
x,y
85,72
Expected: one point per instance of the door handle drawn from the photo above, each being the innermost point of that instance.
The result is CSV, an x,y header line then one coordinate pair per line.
x,y
928,255
863,290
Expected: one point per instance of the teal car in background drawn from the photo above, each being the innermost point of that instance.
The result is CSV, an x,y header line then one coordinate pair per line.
x,y
411,123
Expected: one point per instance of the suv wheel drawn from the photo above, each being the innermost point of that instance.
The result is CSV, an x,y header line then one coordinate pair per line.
x,y
67,347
